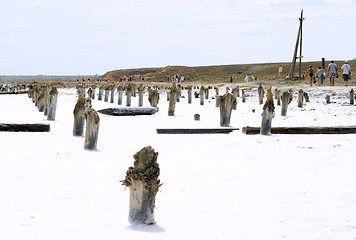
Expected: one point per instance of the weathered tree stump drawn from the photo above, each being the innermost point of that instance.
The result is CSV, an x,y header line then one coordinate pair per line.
x,y
179,93
352,96
35,94
79,109
172,101
133,87
93,87
206,92
327,99
142,179
41,100
92,129
106,96
235,92
300,98
52,104
140,95
189,94
306,97
201,94
268,113
154,98
285,102
119,94
46,101
128,94
90,92
260,94
226,102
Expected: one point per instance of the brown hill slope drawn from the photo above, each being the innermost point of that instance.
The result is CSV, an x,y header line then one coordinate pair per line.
x,y
216,74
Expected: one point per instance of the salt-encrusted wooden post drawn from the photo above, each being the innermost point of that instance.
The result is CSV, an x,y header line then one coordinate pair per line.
x,y
275,93
52,104
112,93
92,129
327,99
90,92
46,99
201,94
306,97
227,89
128,95
154,98
168,94
285,103
260,93
206,92
79,109
35,94
278,97
352,96
189,94
172,100
140,95
179,92
226,102
40,100
120,88
268,113
243,96
216,97
133,87
93,87
101,90
106,97
142,179
300,98
234,93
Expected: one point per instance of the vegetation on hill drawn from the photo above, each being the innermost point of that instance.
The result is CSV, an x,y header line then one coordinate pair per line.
x,y
216,74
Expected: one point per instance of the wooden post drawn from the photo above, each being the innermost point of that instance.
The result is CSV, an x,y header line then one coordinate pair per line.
x,y
278,94
216,97
36,93
285,103
201,94
52,104
172,100
260,94
120,88
92,129
112,93
140,95
93,93
327,99
154,98
101,90
40,100
106,97
128,94
142,179
227,102
275,93
179,92
227,89
189,94
352,97
90,92
197,117
300,98
46,101
235,92
78,127
206,92
306,97
133,89
243,96
268,113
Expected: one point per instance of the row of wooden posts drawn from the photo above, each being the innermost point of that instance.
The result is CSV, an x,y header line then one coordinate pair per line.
x,y
45,99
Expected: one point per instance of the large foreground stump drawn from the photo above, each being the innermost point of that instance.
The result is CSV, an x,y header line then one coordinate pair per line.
x,y
268,113
226,102
142,179
92,129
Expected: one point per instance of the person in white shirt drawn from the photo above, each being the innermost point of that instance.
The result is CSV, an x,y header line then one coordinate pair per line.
x,y
346,68
332,72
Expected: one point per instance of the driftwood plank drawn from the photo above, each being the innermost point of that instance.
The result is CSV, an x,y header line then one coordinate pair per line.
x,y
129,111
303,130
24,127
194,130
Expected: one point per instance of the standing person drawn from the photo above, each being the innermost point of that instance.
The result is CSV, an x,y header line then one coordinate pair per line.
x,y
332,72
310,73
318,74
321,75
247,78
346,68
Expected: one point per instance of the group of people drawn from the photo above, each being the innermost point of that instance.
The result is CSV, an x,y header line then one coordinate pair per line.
x,y
320,74
176,79
250,78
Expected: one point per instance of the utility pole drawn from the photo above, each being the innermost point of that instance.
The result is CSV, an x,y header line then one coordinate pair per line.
x,y
298,44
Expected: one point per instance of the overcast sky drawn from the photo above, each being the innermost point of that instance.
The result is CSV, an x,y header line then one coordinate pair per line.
x,y
70,37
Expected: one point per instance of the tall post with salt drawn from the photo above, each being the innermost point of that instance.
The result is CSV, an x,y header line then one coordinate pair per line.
x,y
172,100
78,126
260,93
285,102
92,129
201,94
140,95
52,104
154,98
352,95
226,102
268,113
189,94
300,98
128,95
120,89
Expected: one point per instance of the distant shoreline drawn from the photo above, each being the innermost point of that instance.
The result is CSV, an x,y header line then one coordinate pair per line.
x,y
41,78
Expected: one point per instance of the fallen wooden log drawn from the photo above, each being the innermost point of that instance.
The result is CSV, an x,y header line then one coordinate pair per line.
x,y
129,111
16,92
194,130
303,130
4,127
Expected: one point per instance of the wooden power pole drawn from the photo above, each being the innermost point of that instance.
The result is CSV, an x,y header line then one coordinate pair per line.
x,y
298,43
